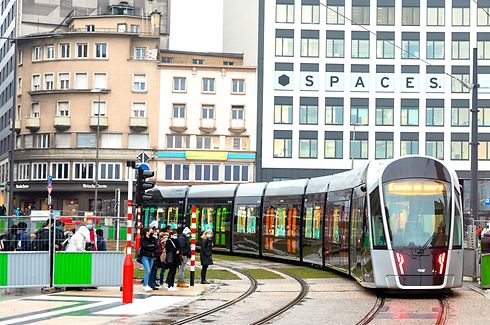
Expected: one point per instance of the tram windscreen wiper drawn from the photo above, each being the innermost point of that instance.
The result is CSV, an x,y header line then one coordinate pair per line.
x,y
441,225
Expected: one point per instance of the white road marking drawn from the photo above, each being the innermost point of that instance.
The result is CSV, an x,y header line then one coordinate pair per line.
x,y
143,306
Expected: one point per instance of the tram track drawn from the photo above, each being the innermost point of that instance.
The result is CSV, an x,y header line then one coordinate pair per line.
x,y
380,301
443,315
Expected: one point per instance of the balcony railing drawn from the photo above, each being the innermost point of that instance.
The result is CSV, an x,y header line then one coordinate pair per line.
x,y
33,123
62,123
102,122
237,126
208,125
138,123
178,124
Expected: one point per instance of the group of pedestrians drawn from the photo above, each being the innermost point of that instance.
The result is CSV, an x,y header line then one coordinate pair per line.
x,y
169,249
86,238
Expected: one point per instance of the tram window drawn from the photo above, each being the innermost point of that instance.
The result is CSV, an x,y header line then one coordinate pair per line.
x,y
379,239
206,219
241,225
316,222
336,220
308,220
246,219
251,220
172,217
457,240
280,222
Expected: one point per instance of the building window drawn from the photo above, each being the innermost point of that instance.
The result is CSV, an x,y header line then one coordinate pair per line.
x,y
83,171
386,16
90,28
310,14
177,141
484,50
237,143
197,61
167,59
139,109
237,113
228,63
460,50
335,15
460,116
308,148
204,142
121,28
236,173
60,170
409,147
308,114
48,81
140,53
111,140
49,52
64,80
35,110
138,141
333,149
284,46
36,53
176,172
460,82
283,114
359,149
385,49
461,16
283,147
207,112
65,50
410,49
63,109
284,13
384,149
20,59
85,140
36,82
208,85
360,15
334,115
110,171
409,116
39,171
359,115
100,81
134,28
410,16
434,148
384,115
360,48
206,172
81,81
459,150
179,84
63,140
434,116
42,141
82,50
335,47
484,150
238,86
139,82
23,171
483,16
484,116
178,111
435,16
101,50
99,108
435,50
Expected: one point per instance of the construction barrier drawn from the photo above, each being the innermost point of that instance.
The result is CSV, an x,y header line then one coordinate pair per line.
x,y
24,269
485,271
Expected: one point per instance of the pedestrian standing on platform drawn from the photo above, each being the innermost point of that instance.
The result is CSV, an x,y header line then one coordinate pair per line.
x,y
101,246
93,236
24,238
78,242
11,239
148,245
206,254
172,260
162,241
185,250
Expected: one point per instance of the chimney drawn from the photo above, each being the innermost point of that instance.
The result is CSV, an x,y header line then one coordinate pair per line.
x,y
155,18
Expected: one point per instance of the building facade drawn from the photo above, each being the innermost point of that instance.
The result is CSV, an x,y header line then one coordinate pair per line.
x,y
344,82
207,118
85,95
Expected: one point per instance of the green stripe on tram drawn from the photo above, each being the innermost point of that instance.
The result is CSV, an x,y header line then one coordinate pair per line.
x,y
4,264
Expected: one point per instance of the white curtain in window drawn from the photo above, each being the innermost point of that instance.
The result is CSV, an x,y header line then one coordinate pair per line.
x,y
111,140
100,81
138,141
63,140
81,81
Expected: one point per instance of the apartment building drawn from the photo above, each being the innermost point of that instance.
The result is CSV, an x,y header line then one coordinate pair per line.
x,y
207,118
342,82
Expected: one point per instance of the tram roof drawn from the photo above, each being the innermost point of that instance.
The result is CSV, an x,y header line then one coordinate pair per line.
x,y
170,192
348,179
251,189
207,191
292,187
318,184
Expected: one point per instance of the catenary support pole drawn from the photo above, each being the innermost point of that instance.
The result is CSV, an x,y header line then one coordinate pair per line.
x,y
193,245
474,195
128,269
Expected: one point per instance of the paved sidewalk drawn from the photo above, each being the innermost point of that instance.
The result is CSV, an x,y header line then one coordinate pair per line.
x,y
93,306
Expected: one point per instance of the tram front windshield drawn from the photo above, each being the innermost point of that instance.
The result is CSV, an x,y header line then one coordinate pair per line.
x,y
418,212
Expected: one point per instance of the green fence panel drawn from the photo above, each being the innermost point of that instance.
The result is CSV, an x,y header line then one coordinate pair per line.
x,y
3,226
3,269
73,268
485,271
110,232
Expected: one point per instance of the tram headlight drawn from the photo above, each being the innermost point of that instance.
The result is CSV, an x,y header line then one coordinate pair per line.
x,y
400,261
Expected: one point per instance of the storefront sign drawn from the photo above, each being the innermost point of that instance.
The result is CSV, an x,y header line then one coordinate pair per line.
x,y
93,186
22,186
206,155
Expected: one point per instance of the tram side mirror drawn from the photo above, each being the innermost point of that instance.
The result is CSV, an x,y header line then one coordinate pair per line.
x,y
363,188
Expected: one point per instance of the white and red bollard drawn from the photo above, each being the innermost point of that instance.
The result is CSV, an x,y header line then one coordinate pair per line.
x,y
193,245
137,239
128,268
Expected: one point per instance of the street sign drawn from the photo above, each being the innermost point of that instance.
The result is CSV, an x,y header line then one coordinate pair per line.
x,y
144,166
487,201
50,179
50,188
143,157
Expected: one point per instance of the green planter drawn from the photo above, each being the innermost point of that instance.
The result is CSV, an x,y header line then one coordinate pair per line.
x,y
485,271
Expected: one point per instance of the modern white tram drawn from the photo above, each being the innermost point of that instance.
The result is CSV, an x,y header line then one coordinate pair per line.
x,y
393,224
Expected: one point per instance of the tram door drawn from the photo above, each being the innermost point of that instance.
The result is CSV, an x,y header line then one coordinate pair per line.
x,y
356,232
337,229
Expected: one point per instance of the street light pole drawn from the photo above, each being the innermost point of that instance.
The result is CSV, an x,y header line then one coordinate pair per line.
x,y
98,91
474,195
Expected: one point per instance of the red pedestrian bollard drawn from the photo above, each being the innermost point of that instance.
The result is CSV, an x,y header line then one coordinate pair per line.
x,y
193,245
128,268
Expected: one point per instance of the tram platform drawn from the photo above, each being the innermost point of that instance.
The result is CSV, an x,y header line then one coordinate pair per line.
x,y
95,306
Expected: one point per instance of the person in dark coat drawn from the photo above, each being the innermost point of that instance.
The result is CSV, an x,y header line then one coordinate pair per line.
x,y
41,243
206,254
24,238
185,250
148,245
101,246
172,260
11,239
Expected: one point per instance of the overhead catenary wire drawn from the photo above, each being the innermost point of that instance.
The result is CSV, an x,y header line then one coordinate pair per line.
x,y
393,43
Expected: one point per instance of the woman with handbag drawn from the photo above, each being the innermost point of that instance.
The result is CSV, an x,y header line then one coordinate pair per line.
x,y
206,254
148,246
172,260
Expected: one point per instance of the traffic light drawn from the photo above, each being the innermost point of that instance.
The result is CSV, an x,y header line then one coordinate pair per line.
x,y
142,185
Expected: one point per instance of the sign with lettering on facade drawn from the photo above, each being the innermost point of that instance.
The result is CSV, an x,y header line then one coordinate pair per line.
x,y
309,80
284,80
91,186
